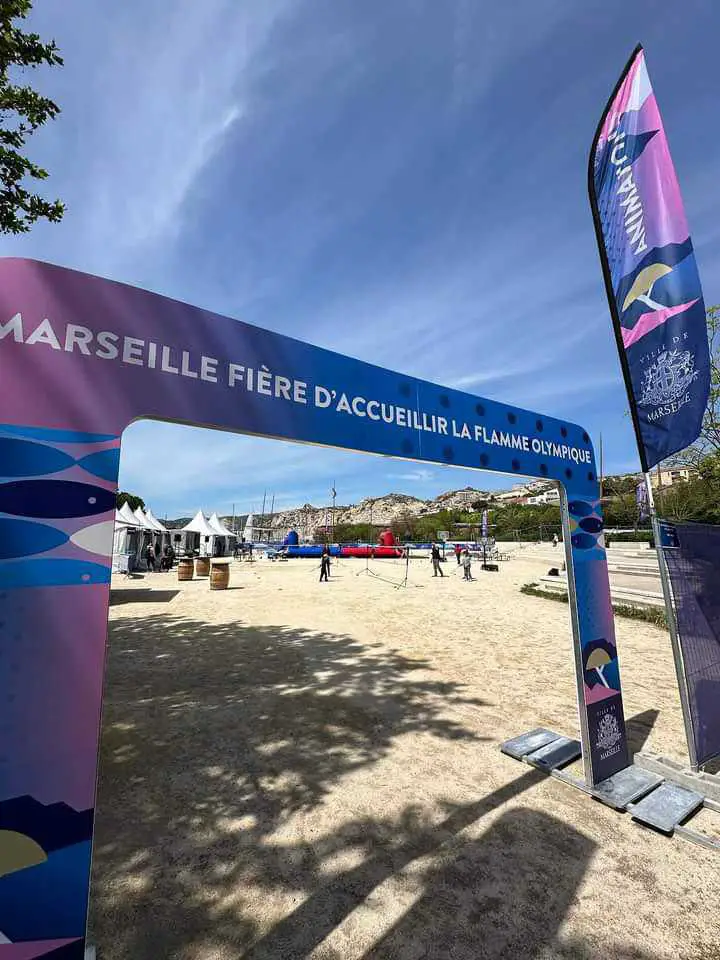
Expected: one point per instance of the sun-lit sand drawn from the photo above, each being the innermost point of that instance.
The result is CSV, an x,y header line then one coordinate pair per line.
x,y
293,769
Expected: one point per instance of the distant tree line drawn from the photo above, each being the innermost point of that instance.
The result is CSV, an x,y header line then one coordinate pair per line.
x,y
697,500
131,499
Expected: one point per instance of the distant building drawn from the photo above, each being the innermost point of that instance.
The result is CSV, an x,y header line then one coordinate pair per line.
x,y
667,478
518,494
547,496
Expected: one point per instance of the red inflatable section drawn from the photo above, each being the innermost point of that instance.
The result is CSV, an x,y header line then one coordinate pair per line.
x,y
376,552
387,539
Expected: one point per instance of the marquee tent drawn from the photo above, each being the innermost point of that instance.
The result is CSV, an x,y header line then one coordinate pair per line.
x,y
221,544
125,539
199,535
126,515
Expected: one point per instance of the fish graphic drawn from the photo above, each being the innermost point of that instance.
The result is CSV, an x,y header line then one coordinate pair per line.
x,y
591,524
23,538
27,458
580,508
52,572
104,464
55,436
24,458
54,498
583,541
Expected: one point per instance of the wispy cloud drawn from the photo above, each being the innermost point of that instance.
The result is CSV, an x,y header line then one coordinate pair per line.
x,y
399,183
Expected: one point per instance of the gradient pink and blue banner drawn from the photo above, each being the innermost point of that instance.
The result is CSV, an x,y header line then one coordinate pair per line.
x,y
650,271
80,359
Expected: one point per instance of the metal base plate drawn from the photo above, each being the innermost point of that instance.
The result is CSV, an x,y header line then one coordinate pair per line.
x,y
626,786
520,747
666,807
557,753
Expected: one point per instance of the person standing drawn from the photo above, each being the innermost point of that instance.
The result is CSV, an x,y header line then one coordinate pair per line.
x,y
150,557
555,539
467,575
458,551
325,564
435,557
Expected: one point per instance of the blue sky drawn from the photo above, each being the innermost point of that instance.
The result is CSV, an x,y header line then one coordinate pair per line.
x,y
404,182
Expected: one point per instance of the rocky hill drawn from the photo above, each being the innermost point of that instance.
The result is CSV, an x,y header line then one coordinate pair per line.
x,y
376,510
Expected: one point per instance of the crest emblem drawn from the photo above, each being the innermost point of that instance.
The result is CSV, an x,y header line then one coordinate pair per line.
x,y
667,379
608,733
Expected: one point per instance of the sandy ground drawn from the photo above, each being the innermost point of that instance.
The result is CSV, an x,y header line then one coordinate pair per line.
x,y
293,769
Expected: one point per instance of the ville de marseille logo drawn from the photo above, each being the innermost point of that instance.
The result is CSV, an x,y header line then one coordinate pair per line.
x,y
668,378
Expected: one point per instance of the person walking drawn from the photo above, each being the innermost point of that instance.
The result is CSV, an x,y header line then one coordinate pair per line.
x,y
458,552
435,557
325,564
555,540
467,575
150,557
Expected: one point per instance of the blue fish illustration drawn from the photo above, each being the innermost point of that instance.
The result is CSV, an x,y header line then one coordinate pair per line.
x,y
592,524
54,498
52,572
104,464
55,436
580,508
27,458
24,458
583,541
23,538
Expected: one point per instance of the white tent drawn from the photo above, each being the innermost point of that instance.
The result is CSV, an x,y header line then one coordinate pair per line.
x,y
125,538
155,523
126,515
141,520
200,524
223,543
219,527
199,534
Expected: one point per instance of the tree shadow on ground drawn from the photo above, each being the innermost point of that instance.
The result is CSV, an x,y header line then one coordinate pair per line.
x,y
213,736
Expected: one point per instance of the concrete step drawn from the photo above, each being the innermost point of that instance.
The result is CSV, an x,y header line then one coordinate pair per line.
x,y
618,594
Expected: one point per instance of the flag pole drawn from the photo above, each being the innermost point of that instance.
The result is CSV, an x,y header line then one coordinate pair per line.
x,y
672,624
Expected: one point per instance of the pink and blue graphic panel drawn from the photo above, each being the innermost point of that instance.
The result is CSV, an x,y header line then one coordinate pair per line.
x,y
80,359
650,270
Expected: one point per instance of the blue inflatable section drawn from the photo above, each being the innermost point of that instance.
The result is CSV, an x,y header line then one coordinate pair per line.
x,y
309,550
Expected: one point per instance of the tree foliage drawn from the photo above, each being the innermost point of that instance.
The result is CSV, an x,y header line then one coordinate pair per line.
x,y
708,443
131,499
22,112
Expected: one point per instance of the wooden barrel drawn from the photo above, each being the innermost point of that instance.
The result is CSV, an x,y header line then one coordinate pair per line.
x,y
185,570
202,566
219,576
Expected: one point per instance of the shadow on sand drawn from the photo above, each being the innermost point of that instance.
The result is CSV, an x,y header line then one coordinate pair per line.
x,y
214,735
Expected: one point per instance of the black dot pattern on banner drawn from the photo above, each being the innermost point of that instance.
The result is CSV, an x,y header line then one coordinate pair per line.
x,y
563,431
479,409
448,453
484,459
406,446
543,468
568,473
539,426
444,400
405,389
586,438
516,464
512,418
591,477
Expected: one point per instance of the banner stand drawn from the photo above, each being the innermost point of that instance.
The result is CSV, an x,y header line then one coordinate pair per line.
x,y
659,537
